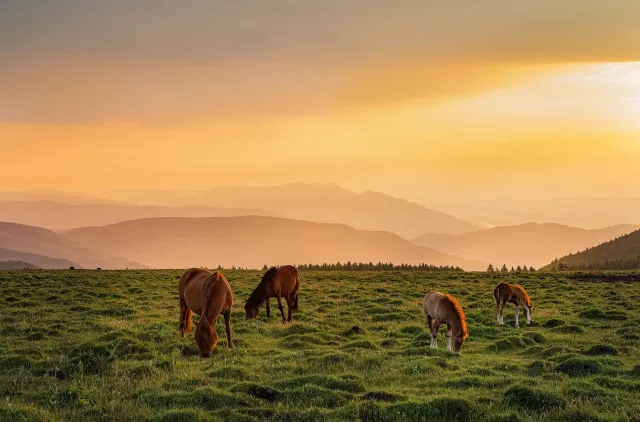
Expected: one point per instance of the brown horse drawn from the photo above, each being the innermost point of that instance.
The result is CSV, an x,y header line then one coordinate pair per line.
x,y
208,295
515,294
444,309
282,282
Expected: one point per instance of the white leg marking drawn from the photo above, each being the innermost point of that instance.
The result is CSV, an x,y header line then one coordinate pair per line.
x,y
517,325
528,315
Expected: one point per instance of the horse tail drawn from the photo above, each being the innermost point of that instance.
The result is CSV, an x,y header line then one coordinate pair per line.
x,y
496,294
185,317
185,312
295,303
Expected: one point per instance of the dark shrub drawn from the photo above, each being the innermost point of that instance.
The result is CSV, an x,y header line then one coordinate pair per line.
x,y
553,323
534,400
601,349
382,396
537,337
579,367
568,329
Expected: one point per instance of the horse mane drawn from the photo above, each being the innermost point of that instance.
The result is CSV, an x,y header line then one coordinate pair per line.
x,y
208,289
257,296
527,299
460,313
203,330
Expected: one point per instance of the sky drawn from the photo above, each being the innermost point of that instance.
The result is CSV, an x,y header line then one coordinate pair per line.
x,y
420,99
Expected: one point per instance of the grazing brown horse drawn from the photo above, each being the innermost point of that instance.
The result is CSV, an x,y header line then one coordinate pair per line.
x,y
208,295
444,309
515,294
282,282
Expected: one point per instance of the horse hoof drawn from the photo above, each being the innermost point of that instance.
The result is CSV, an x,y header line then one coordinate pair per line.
x,y
517,326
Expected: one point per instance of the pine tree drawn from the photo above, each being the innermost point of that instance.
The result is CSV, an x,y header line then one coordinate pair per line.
x,y
490,268
504,268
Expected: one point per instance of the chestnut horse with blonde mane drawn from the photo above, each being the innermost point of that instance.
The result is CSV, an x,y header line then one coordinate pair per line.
x,y
515,294
208,295
282,282
445,309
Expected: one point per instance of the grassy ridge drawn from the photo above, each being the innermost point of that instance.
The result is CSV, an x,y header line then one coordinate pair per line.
x,y
102,345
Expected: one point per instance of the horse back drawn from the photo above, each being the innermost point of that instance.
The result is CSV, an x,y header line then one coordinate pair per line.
x,y
289,279
432,300
191,287
502,291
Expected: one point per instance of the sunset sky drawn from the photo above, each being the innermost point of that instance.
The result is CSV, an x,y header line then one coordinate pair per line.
x,y
419,99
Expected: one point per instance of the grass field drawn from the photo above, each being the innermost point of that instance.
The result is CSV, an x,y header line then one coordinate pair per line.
x,y
103,345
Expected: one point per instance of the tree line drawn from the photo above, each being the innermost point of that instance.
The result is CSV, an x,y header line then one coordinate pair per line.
x,y
504,269
370,266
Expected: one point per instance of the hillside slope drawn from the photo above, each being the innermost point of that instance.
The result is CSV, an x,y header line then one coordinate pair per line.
x,y
530,244
39,241
622,253
253,241
38,261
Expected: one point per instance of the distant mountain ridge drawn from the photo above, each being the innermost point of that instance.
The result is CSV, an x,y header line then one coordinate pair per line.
x,y
622,253
530,244
48,244
58,215
252,241
328,203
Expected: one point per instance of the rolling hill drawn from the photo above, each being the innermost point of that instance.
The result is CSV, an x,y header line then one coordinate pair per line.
x,y
252,241
38,261
58,215
530,244
46,243
622,253
323,203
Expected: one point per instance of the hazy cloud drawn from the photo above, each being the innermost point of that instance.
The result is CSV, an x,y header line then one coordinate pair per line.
x,y
150,60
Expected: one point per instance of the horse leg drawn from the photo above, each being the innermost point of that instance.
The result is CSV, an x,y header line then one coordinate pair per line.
x,y
227,325
436,327
430,324
185,318
498,308
268,307
501,311
448,335
290,302
517,312
528,312
279,297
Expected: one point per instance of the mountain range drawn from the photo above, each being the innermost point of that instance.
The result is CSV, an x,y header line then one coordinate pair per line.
x,y
62,216
253,241
530,244
327,203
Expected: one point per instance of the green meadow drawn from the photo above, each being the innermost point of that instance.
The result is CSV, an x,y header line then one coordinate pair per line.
x,y
104,345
